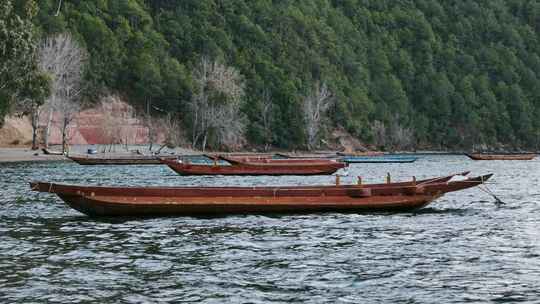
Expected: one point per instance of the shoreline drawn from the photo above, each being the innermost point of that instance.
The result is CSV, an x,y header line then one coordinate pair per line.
x,y
26,154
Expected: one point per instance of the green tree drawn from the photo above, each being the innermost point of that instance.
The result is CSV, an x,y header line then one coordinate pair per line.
x,y
17,52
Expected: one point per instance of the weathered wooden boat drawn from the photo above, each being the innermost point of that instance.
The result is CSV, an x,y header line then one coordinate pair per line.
x,y
366,153
501,156
322,155
120,160
244,158
380,159
156,201
257,160
184,167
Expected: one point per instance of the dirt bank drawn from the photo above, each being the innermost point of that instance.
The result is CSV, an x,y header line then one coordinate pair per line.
x,y
16,132
25,154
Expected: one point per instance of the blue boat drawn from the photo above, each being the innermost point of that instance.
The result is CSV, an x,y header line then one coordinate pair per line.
x,y
380,159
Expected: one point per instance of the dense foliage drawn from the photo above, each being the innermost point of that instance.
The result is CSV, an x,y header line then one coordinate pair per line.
x,y
19,76
446,73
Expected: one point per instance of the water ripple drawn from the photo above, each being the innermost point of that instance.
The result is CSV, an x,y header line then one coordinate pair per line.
x,y
461,249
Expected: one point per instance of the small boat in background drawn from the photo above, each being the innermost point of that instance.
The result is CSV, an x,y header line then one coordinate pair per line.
x,y
120,160
501,156
240,157
379,159
166,201
256,160
321,155
254,167
366,153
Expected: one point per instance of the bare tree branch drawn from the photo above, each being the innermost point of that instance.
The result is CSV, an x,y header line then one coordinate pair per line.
x,y
63,59
58,9
315,107
266,115
216,106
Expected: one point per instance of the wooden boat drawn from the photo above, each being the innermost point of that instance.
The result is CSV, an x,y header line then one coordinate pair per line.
x,y
501,156
257,160
306,155
366,153
155,201
120,160
241,157
380,159
254,168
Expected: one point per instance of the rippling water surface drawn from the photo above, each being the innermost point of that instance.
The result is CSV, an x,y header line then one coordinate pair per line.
x,y
462,249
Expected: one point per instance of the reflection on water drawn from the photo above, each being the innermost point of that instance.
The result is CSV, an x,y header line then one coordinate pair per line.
x,y
463,248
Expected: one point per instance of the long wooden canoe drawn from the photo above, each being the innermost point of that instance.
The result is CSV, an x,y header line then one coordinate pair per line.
x,y
256,160
155,201
380,159
323,155
119,160
367,153
501,156
271,168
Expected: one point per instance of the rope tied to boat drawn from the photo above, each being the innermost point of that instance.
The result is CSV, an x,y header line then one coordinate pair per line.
x,y
483,186
485,189
50,187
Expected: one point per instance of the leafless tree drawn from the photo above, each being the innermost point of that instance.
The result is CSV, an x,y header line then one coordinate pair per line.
x,y
111,128
401,138
174,137
378,130
151,124
229,125
216,105
266,115
395,136
62,58
68,108
314,108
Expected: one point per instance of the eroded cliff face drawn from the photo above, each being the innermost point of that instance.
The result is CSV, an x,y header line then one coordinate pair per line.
x,y
17,131
112,121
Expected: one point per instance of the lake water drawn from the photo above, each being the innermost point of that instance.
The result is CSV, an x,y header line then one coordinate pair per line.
x,y
462,249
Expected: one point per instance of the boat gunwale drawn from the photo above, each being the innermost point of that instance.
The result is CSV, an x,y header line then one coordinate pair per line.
x,y
272,191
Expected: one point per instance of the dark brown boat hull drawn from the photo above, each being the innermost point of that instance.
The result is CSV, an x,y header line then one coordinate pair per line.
x,y
289,161
483,156
254,168
233,191
107,206
152,201
134,160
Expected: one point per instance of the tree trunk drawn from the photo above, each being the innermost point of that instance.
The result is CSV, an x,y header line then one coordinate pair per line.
x,y
204,142
64,141
34,139
35,120
48,129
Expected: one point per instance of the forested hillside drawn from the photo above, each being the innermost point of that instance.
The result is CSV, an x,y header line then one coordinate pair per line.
x,y
401,73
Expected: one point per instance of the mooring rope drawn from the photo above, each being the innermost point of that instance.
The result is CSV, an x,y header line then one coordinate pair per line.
x,y
485,189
